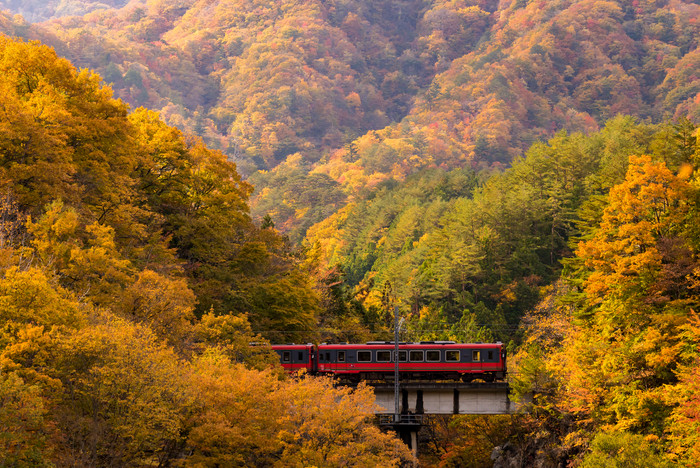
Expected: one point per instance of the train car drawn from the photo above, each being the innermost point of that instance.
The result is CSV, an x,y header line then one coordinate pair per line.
x,y
296,357
437,360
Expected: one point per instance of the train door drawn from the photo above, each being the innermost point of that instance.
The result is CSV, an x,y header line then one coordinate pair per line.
x,y
311,363
491,359
300,359
341,360
326,360
286,359
331,360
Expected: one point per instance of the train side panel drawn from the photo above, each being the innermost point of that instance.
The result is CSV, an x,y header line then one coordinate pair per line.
x,y
416,360
294,357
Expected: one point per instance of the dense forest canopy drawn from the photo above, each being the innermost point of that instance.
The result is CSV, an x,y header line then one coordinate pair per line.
x,y
364,92
514,170
132,279
41,10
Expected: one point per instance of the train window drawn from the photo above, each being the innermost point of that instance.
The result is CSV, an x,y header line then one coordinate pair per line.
x,y
364,356
300,356
490,355
432,355
416,355
341,356
286,356
320,357
476,356
328,357
452,355
383,356
403,356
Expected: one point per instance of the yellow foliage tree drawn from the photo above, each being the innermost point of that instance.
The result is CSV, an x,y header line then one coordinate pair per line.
x,y
327,426
124,395
23,426
627,343
165,305
248,417
85,258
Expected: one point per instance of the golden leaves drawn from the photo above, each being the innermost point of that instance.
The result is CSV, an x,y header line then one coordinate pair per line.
x,y
251,417
648,205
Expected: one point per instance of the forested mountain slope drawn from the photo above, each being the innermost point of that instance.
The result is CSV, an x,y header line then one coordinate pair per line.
x,y
366,124
41,10
128,185
131,277
515,170
293,73
441,84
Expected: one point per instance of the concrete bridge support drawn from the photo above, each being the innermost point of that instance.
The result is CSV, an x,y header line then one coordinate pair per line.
x,y
446,398
417,399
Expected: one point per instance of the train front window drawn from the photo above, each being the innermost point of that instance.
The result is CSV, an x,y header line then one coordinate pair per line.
x,y
416,355
452,355
286,356
476,356
383,356
341,356
432,355
364,356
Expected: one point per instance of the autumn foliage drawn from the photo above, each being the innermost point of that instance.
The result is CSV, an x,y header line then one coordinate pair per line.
x,y
616,349
132,282
514,170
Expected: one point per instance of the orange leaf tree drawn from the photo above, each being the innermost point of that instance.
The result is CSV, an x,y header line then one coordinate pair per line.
x,y
626,343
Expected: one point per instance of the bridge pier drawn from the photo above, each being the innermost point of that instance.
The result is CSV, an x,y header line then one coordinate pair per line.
x,y
418,399
406,427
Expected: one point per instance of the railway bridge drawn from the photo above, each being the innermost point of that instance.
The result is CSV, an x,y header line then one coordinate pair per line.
x,y
417,399
446,398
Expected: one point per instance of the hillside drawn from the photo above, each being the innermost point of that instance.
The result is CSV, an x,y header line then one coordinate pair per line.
x,y
131,282
515,170
364,124
359,93
266,80
42,10
127,185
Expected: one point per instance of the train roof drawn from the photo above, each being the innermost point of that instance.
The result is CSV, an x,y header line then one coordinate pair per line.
x,y
291,346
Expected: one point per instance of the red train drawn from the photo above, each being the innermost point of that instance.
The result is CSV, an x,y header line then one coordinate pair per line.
x,y
427,360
